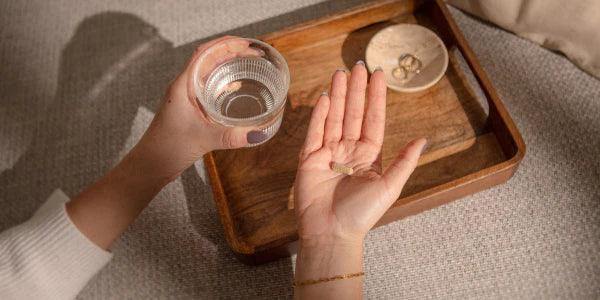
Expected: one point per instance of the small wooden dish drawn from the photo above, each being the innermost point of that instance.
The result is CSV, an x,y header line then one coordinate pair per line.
x,y
469,150
388,45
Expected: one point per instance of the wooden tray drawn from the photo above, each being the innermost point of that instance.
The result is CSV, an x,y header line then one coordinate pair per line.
x,y
469,151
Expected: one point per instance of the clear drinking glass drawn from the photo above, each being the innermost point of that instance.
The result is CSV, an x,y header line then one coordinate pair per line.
x,y
243,82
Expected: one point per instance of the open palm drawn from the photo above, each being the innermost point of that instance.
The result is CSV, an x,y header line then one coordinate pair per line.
x,y
330,204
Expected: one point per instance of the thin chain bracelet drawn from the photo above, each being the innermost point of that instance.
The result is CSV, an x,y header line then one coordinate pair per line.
x,y
300,283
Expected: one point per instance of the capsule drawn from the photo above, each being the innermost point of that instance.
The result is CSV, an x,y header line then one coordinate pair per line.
x,y
342,168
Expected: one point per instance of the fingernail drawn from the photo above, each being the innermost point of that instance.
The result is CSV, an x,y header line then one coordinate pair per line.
x,y
324,94
256,136
378,69
260,52
340,70
425,147
360,62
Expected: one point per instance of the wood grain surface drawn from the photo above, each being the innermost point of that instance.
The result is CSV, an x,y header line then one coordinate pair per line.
x,y
468,150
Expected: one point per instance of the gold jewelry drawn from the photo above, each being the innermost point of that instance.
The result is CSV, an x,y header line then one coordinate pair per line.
x,y
400,73
411,62
342,168
301,283
407,64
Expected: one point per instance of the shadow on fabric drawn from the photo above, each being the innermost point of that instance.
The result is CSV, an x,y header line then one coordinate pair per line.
x,y
115,64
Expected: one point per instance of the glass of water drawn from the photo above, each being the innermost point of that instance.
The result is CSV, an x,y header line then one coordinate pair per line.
x,y
243,82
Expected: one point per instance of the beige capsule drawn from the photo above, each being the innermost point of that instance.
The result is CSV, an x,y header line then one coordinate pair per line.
x,y
341,168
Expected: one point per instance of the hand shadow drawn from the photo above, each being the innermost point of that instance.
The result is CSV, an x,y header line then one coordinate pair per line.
x,y
79,135
114,66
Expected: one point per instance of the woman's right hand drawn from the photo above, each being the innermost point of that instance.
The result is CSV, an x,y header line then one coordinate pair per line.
x,y
179,135
180,132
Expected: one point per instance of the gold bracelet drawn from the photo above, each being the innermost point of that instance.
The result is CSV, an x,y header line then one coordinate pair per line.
x,y
300,283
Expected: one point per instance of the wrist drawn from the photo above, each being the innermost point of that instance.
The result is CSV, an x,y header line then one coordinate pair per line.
x,y
329,244
326,257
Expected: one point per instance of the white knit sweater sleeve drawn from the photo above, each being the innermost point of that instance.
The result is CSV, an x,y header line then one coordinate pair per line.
x,y
47,257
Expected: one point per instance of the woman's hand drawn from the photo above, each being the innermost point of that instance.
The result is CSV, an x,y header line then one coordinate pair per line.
x,y
332,205
180,133
177,137
335,211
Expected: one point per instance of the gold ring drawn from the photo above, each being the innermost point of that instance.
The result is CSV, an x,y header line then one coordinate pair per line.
x,y
400,73
411,62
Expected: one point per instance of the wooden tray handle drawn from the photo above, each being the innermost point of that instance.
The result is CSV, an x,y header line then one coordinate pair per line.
x,y
510,139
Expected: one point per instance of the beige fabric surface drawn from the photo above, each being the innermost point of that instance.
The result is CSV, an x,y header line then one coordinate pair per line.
x,y
571,27
79,83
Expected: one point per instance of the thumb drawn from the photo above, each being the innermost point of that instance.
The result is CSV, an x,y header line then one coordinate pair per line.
x,y
237,137
405,163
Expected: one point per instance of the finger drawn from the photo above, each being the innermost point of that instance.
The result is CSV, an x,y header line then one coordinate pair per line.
x,y
335,117
211,60
184,81
405,163
214,58
203,47
238,137
355,103
222,53
374,123
316,127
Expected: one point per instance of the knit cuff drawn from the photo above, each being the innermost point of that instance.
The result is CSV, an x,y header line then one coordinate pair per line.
x,y
51,257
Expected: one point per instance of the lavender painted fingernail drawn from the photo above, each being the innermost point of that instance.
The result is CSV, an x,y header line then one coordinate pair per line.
x,y
341,70
378,69
324,94
256,136
425,147
360,62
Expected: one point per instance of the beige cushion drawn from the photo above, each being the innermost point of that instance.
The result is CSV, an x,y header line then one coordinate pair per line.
x,y
571,27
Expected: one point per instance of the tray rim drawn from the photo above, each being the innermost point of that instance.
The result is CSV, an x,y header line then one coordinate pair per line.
x,y
440,194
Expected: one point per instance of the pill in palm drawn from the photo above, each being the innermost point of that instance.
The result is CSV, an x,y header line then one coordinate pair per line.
x,y
342,168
